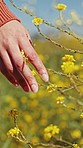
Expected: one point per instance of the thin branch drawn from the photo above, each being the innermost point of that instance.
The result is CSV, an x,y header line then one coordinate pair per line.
x,y
57,72
65,31
72,87
23,10
57,44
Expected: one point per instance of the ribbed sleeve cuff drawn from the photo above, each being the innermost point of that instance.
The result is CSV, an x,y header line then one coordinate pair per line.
x,y
5,14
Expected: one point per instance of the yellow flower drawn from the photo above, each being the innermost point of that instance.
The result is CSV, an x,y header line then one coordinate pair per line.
x,y
60,99
33,72
60,7
82,64
37,21
47,136
51,88
69,21
68,58
81,116
50,131
75,146
58,22
28,118
68,67
23,55
76,133
23,99
13,132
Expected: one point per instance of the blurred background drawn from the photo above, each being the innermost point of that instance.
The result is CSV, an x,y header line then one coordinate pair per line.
x,y
46,10
36,111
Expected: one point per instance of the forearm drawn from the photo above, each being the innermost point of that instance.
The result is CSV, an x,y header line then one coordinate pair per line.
x,y
5,14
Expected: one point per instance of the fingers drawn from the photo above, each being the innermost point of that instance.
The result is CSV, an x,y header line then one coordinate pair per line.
x,y
21,80
17,59
7,74
10,71
14,77
30,78
33,58
7,61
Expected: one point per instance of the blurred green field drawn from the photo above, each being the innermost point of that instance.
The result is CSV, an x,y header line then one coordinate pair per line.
x,y
37,111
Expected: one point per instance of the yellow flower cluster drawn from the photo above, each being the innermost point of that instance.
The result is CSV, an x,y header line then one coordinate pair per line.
x,y
37,21
60,99
75,146
51,88
68,58
60,7
81,116
13,132
68,65
50,131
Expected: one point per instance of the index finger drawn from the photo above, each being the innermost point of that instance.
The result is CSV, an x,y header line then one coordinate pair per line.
x,y
34,58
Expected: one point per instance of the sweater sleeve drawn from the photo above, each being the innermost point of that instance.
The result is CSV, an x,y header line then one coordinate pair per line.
x,y
5,14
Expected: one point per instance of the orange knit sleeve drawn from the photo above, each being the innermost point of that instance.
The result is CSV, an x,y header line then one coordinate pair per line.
x,y
5,14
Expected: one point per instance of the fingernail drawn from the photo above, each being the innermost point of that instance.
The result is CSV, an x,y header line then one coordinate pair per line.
x,y
34,88
16,84
45,77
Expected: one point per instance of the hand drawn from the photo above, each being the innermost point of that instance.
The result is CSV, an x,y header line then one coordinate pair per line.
x,y
13,38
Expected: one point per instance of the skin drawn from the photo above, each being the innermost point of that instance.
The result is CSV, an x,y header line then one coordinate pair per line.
x,y
13,38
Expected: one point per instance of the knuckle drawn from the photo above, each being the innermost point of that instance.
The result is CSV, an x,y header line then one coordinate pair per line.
x,y
6,41
10,68
23,36
33,57
19,63
31,79
6,38
40,70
